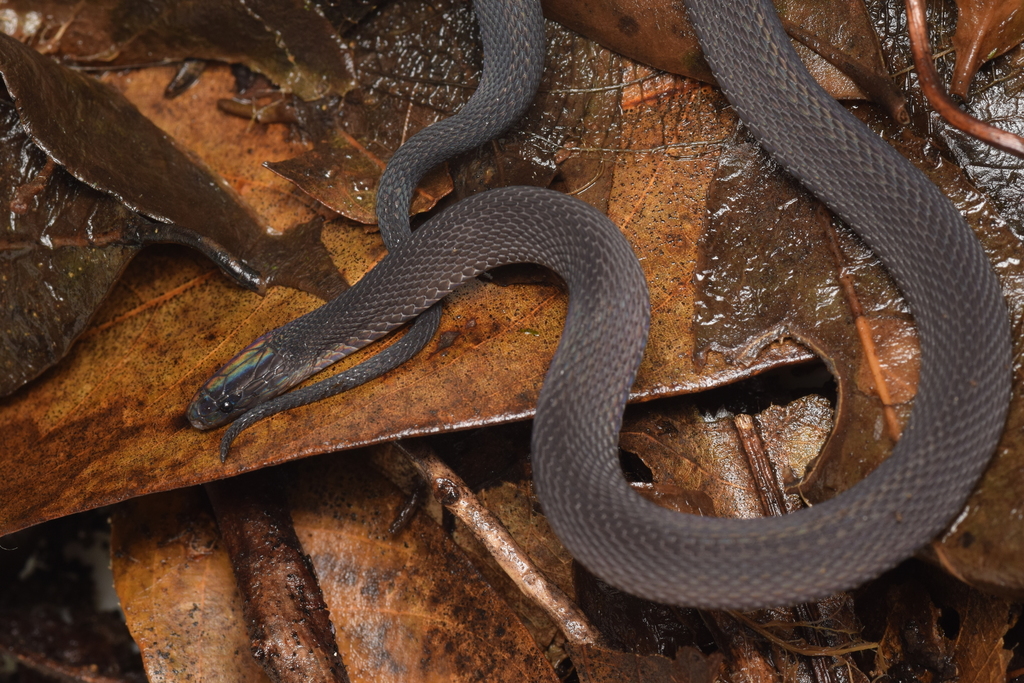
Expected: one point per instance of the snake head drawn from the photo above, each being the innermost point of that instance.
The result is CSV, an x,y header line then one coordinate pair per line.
x,y
258,373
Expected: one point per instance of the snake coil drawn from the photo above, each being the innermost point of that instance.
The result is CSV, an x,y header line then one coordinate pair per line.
x,y
644,549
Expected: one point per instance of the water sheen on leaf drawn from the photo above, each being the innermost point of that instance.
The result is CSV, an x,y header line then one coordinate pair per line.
x,y
659,34
62,247
985,29
289,41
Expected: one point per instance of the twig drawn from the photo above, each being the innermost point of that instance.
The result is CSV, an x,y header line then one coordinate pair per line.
x,y
452,492
290,627
918,27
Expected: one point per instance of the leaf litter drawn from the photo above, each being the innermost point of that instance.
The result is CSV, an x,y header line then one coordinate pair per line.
x,y
582,168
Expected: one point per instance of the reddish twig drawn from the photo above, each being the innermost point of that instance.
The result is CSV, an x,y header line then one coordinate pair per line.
x,y
290,627
936,93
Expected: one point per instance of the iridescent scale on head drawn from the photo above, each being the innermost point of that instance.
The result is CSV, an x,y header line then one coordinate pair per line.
x,y
258,373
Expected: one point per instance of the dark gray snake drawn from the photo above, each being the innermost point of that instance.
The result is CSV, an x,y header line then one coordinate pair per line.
x,y
503,94
650,551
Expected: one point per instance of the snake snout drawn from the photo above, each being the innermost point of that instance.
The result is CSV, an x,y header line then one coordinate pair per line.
x,y
208,411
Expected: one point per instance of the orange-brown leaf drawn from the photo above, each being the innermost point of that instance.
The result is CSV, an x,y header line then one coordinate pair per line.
x,y
985,29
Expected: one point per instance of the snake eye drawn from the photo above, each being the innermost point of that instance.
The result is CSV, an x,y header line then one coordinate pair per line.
x,y
227,405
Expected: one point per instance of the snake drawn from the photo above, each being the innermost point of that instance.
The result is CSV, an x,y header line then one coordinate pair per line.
x,y
504,93
659,554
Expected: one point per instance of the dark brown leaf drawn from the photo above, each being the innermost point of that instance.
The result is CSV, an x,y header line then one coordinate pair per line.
x,y
659,34
343,174
289,41
772,274
54,274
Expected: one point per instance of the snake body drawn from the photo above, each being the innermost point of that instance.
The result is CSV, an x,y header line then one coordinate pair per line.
x,y
644,549
512,33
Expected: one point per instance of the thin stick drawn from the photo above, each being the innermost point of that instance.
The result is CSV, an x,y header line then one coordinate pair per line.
x,y
452,492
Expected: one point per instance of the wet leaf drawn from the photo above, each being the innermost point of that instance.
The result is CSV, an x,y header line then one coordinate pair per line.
x,y
773,273
995,100
798,287
985,29
837,41
108,423
343,174
54,275
67,242
407,608
289,41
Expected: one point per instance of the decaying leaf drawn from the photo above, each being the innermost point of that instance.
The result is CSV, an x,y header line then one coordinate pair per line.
x,y
177,591
768,274
836,41
985,29
88,180
406,608
289,41
342,174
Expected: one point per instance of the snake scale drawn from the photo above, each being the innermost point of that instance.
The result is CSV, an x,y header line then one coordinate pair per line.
x,y
644,549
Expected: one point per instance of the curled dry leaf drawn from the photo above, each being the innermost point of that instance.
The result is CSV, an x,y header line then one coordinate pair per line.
x,y
289,41
406,608
985,29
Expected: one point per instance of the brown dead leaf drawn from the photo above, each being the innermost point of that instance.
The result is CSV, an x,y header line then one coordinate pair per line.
x,y
289,626
177,591
406,608
64,644
414,596
289,41
838,43
343,174
108,423
985,29
691,450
